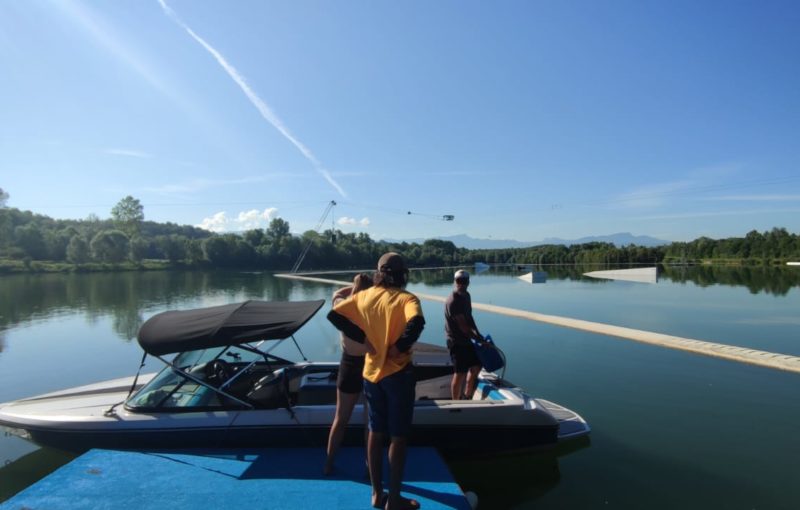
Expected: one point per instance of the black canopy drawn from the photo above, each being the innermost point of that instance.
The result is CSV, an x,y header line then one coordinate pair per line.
x,y
218,326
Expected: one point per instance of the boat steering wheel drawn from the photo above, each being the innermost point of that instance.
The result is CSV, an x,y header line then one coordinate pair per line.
x,y
218,371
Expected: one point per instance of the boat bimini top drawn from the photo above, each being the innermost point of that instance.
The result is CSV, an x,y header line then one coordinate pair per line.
x,y
219,326
183,332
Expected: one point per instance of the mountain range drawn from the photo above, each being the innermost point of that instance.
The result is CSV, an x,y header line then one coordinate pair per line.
x,y
471,243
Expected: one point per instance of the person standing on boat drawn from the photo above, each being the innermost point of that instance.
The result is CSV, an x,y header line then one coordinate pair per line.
x,y
389,319
460,328
350,382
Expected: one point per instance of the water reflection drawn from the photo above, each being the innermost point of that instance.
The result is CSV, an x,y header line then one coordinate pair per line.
x,y
125,295
509,480
22,472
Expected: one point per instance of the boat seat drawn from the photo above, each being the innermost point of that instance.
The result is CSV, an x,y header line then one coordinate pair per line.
x,y
271,390
317,389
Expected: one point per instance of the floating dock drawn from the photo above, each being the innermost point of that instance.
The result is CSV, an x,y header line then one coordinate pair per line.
x,y
277,478
637,274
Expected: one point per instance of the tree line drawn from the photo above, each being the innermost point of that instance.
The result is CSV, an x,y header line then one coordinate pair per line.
x,y
31,241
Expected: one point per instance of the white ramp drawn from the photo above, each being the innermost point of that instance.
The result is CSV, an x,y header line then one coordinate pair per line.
x,y
534,277
639,274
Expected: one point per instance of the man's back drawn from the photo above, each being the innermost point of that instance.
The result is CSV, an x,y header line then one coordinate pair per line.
x,y
382,313
457,304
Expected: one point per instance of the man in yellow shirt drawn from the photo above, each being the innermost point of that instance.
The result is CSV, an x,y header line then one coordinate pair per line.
x,y
389,320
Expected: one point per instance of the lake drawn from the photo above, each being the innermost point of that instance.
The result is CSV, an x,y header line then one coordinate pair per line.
x,y
670,429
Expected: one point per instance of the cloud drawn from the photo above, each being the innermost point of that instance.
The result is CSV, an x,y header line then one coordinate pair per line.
x,y
710,214
200,184
245,220
757,198
652,195
344,220
101,33
260,105
129,152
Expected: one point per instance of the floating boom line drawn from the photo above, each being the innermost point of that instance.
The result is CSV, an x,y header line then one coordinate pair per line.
x,y
765,359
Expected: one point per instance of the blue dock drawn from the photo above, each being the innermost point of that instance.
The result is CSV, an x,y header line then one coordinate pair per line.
x,y
273,478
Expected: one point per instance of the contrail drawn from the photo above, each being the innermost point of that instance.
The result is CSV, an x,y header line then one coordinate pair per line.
x,y
260,105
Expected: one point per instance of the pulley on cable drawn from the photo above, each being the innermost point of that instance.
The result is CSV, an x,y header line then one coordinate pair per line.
x,y
444,217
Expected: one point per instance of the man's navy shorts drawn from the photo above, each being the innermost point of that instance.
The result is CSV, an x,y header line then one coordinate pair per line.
x,y
391,403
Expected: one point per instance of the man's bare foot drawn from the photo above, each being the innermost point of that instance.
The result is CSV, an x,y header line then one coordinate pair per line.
x,y
401,503
327,470
379,501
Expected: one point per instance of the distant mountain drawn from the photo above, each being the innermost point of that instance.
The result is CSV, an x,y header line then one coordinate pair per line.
x,y
471,243
619,239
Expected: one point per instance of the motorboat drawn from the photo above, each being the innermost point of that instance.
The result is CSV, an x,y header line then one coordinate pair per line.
x,y
223,387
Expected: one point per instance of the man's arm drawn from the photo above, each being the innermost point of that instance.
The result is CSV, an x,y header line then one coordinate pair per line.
x,y
469,331
347,327
410,334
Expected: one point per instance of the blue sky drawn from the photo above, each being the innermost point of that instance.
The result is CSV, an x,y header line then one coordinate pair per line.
x,y
522,119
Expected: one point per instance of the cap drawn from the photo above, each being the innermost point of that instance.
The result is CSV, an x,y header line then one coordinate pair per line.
x,y
392,262
461,275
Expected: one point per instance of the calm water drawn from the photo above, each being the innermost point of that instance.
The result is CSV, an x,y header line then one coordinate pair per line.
x,y
670,429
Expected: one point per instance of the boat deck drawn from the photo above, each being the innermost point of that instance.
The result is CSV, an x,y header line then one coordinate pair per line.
x,y
265,478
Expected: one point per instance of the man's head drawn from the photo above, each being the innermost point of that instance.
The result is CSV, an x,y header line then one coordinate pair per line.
x,y
461,280
392,271
361,281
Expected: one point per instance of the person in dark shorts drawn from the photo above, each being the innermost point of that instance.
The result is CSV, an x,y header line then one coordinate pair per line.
x,y
350,381
389,320
460,328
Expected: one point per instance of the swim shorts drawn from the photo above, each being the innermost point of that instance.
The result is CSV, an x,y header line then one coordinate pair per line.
x,y
391,403
350,378
463,356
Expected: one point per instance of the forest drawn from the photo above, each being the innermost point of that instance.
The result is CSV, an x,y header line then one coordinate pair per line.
x,y
31,242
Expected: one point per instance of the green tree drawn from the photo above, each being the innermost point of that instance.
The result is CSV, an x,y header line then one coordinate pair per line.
x,y
137,249
128,215
194,251
29,237
255,237
4,196
110,246
172,247
277,230
78,250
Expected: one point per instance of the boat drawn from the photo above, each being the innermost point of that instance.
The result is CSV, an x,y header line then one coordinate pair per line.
x,y
222,387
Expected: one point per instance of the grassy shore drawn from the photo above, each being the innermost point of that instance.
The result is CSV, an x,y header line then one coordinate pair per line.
x,y
37,266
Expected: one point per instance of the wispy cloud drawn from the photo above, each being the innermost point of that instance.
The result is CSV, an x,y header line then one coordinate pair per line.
x,y
653,195
701,180
201,184
129,152
757,198
262,107
709,214
344,220
245,220
105,37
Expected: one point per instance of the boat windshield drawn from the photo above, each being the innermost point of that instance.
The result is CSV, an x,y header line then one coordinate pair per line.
x,y
172,389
